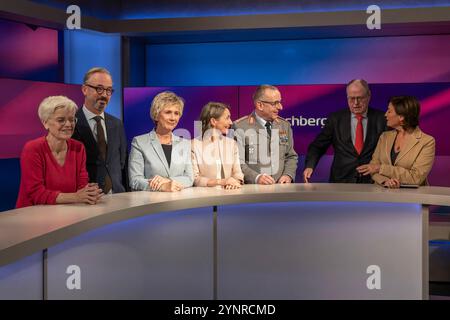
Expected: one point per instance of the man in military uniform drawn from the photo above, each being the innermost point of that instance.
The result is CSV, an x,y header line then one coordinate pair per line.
x,y
266,146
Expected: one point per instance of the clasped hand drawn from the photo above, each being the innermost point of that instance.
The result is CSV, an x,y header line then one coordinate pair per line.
x,y
231,183
392,183
90,194
158,183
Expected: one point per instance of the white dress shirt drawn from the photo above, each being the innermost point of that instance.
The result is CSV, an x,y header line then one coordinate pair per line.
x,y
93,124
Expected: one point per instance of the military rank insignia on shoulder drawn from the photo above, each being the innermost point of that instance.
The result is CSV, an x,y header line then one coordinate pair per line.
x,y
240,119
282,120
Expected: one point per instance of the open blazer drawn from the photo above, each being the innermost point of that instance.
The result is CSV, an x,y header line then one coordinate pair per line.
x,y
337,133
116,155
147,160
204,164
413,163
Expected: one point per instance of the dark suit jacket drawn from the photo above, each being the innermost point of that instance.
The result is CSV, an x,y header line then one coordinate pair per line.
x,y
337,132
116,153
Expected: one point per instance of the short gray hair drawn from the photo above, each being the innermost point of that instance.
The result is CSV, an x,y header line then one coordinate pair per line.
x,y
50,104
165,99
261,90
363,83
91,71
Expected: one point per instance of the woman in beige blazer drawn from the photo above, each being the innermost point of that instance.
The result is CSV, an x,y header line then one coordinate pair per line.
x,y
404,155
215,157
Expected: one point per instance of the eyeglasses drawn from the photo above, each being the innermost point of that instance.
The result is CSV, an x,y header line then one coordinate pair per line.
x,y
273,104
356,99
100,89
62,121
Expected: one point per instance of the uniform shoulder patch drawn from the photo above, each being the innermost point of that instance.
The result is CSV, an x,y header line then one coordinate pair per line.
x,y
282,119
240,119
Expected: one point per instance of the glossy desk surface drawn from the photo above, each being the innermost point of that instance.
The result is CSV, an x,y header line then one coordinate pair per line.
x,y
29,230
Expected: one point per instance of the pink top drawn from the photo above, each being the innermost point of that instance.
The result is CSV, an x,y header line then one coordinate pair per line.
x,y
43,178
206,151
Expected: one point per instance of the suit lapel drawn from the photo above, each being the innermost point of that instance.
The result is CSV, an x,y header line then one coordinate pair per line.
x,y
109,134
259,127
411,141
223,156
85,130
346,131
175,152
159,151
390,139
275,126
369,131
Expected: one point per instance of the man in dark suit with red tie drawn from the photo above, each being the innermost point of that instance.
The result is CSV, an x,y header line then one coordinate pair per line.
x,y
102,134
353,132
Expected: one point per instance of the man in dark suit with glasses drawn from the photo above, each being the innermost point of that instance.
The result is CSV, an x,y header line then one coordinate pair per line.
x,y
353,132
102,134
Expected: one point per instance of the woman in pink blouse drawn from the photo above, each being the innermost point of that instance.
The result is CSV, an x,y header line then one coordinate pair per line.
x,y
53,167
215,157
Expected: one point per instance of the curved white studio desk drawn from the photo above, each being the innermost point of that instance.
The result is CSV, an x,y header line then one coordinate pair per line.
x,y
300,241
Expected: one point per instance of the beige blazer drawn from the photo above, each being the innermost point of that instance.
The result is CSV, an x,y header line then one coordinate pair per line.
x,y
413,163
204,155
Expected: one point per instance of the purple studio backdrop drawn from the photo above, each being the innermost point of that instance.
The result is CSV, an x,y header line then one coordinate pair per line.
x,y
306,107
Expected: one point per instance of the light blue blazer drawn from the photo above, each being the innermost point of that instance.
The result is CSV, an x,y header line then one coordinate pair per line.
x,y
147,160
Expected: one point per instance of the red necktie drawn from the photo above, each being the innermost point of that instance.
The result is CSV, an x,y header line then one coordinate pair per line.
x,y
359,137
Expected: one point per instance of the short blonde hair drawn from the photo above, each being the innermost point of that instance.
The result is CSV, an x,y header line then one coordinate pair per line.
x,y
50,104
163,100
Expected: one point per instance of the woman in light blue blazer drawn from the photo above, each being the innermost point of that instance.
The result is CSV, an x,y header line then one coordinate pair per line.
x,y
160,160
